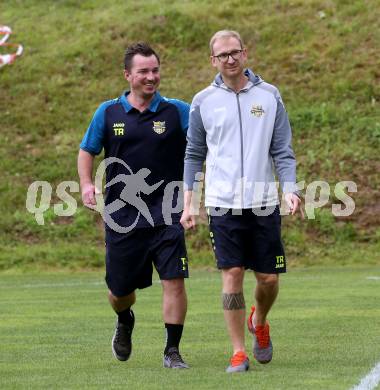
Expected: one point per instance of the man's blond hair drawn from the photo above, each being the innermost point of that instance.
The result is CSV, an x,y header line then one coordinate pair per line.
x,y
225,34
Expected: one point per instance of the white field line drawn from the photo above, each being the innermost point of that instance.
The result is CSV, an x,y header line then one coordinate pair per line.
x,y
73,284
99,283
370,381
41,285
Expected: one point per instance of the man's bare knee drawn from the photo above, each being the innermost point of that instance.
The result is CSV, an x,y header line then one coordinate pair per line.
x,y
234,273
121,303
233,279
267,280
173,286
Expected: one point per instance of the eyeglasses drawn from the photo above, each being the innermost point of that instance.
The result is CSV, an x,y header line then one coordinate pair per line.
x,y
234,54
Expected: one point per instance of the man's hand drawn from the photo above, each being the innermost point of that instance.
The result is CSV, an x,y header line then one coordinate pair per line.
x,y
294,203
187,220
88,196
85,165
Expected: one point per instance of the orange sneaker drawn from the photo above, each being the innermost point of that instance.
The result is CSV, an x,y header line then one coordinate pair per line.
x,y
262,344
239,362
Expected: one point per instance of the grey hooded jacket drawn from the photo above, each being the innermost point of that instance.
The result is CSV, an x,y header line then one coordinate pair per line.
x,y
244,137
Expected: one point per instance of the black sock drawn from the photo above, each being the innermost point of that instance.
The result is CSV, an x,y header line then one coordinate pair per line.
x,y
126,317
173,335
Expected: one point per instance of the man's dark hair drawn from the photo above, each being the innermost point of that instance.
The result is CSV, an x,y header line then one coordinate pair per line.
x,y
141,48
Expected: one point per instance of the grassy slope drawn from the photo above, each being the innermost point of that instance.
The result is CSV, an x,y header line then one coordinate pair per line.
x,y
322,56
57,329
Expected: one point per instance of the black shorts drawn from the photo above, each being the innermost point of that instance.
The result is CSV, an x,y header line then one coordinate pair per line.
x,y
129,257
249,241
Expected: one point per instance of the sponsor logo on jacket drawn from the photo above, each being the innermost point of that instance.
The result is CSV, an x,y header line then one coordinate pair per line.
x,y
257,110
118,128
159,127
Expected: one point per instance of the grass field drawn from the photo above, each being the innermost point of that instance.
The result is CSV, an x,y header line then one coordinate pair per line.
x,y
322,55
55,322
56,331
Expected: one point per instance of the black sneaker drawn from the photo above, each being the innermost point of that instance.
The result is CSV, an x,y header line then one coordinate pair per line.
x,y
173,359
122,340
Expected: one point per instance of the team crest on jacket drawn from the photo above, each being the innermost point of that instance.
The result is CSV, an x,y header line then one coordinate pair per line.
x,y
257,110
159,127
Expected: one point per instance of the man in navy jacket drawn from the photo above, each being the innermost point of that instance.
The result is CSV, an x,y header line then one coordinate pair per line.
x,y
143,136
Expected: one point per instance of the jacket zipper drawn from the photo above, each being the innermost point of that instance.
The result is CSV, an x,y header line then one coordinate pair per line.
x,y
241,153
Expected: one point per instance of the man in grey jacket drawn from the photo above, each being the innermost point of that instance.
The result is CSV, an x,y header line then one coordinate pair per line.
x,y
240,127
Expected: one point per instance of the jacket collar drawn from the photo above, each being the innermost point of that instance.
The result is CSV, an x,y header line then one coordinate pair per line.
x,y
152,107
253,80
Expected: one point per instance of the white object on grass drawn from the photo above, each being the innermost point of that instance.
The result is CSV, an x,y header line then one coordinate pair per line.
x,y
6,59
